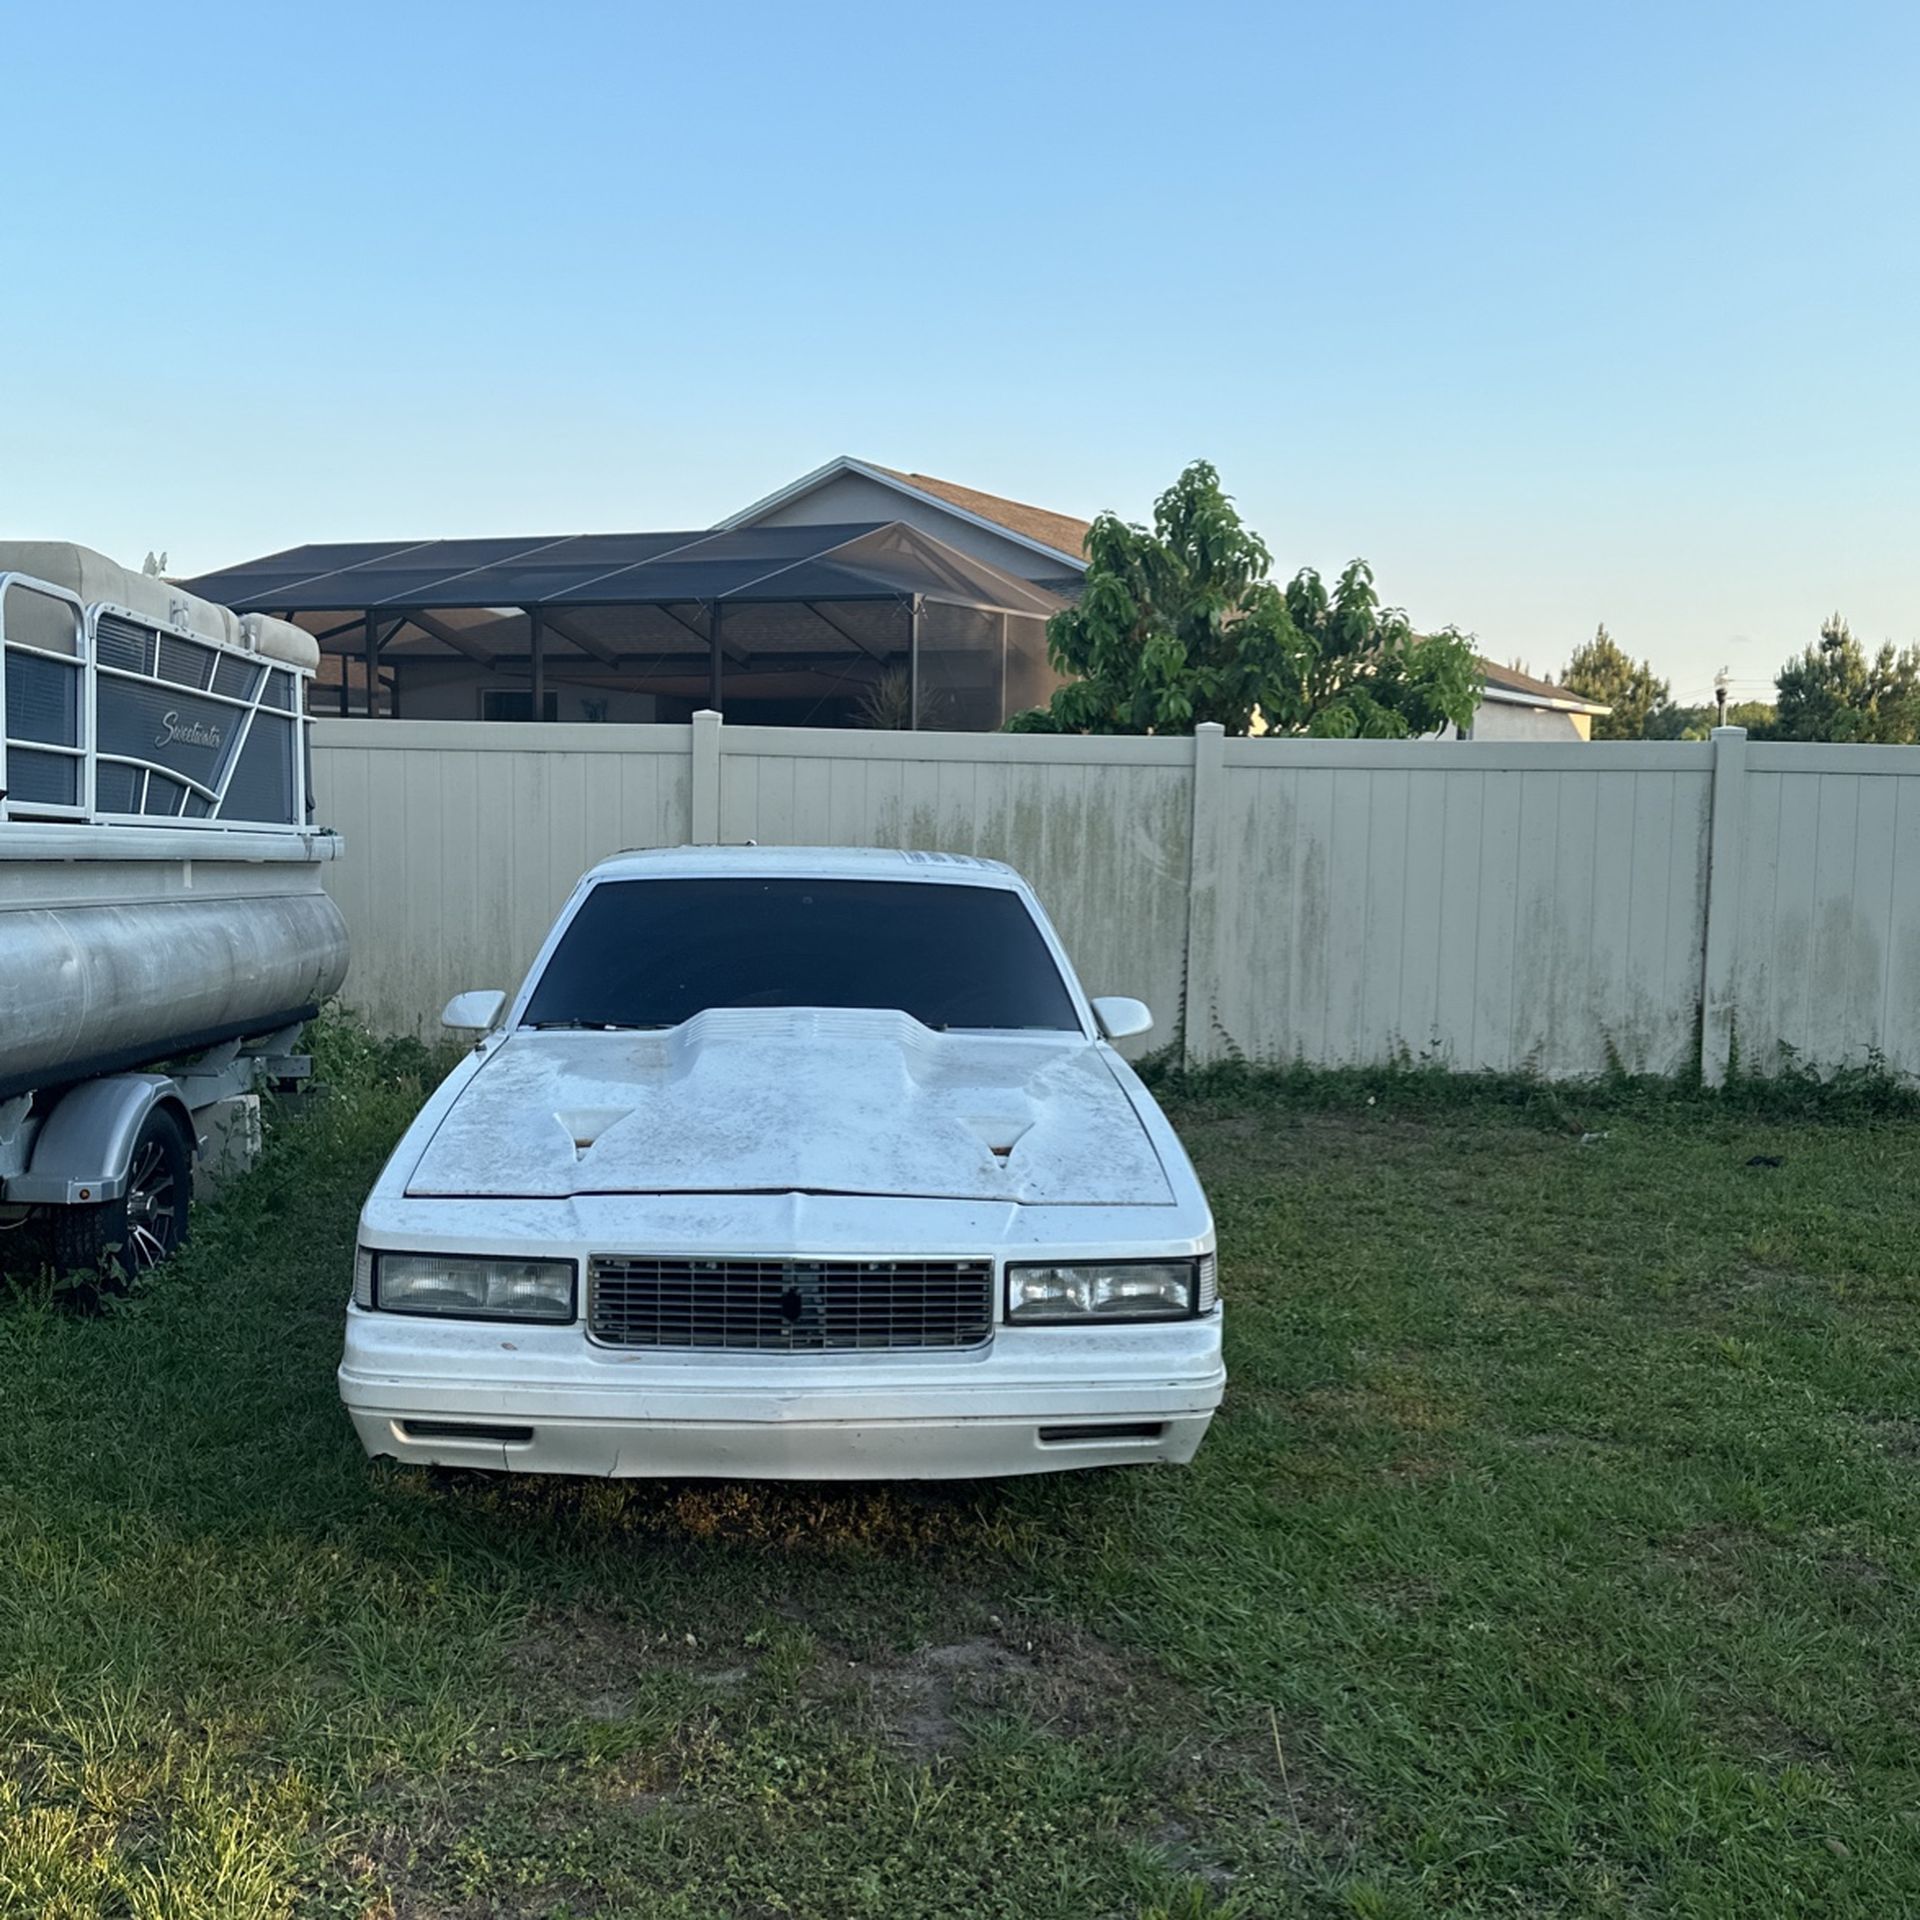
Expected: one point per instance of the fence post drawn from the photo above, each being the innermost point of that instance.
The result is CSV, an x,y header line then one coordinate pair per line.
x,y
1201,993
703,826
1726,835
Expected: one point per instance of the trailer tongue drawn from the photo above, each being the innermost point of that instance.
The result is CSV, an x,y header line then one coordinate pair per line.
x,y
163,929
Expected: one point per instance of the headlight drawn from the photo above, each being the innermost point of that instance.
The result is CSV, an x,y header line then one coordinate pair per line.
x,y
1113,1290
465,1286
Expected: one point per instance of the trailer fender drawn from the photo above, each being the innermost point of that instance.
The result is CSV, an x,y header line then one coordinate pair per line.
x,y
85,1145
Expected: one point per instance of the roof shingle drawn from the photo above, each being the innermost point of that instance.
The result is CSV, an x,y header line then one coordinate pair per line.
x,y
1060,531
1512,680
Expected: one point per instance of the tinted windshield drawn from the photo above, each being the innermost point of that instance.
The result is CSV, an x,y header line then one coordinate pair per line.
x,y
652,953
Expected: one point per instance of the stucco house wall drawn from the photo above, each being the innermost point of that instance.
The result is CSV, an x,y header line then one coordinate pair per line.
x,y
1500,720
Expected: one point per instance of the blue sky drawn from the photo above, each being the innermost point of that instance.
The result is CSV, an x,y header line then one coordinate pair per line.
x,y
1557,314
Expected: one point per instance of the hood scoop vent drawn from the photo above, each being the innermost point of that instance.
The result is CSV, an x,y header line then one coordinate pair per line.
x,y
1001,1136
584,1125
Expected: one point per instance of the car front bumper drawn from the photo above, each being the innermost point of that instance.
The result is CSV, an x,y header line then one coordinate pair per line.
x,y
545,1400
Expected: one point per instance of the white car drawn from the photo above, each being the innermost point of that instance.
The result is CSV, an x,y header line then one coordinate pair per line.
x,y
789,1163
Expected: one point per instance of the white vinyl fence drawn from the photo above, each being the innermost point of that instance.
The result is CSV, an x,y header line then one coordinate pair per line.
x,y
1558,909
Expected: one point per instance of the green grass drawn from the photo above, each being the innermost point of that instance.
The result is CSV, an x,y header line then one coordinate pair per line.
x,y
1555,1554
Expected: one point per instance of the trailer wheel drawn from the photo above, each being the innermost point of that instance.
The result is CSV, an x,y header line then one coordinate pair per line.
x,y
127,1236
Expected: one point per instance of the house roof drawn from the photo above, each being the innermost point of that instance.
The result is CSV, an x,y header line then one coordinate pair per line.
x,y
1510,685
1058,535
1060,531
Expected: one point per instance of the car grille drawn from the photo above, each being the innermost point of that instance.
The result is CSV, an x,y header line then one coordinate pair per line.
x,y
789,1306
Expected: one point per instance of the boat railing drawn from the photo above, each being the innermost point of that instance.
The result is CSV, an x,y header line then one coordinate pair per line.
x,y
107,714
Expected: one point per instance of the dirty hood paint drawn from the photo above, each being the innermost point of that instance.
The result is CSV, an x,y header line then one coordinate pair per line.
x,y
796,1100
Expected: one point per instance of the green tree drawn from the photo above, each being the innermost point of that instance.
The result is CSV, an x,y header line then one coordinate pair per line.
x,y
1638,696
1833,691
1180,624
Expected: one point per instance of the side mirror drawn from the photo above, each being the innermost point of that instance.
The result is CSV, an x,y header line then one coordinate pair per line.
x,y
475,1010
1121,1018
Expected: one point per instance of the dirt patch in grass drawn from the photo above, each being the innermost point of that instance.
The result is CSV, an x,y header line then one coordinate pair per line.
x,y
1258,1778
580,1643
1900,1439
1265,1777
1758,1730
1860,1591
1720,1554
915,1702
1856,1569
1063,1682
1733,1558
1713,1542
599,1664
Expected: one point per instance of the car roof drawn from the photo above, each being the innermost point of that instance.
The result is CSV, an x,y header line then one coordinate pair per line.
x,y
824,863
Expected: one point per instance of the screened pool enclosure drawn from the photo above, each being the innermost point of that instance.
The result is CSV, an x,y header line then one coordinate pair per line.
x,y
855,625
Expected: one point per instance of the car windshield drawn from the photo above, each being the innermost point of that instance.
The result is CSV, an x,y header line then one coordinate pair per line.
x,y
652,953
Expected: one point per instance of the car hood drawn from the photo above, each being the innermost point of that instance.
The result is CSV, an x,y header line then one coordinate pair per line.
x,y
800,1101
